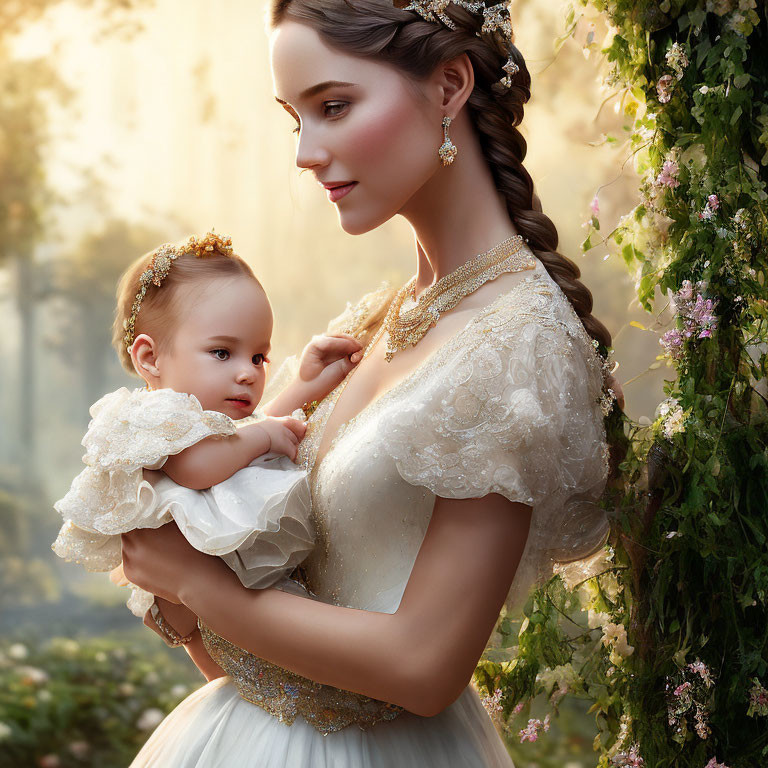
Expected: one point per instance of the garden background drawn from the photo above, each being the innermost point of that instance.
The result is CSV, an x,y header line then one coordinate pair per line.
x,y
127,123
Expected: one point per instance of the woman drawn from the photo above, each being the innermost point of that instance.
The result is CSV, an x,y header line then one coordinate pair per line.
x,y
458,461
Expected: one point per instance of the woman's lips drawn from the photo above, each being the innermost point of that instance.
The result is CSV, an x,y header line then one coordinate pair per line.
x,y
336,193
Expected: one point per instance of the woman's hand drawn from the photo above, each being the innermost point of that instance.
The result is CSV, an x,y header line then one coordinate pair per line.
x,y
162,561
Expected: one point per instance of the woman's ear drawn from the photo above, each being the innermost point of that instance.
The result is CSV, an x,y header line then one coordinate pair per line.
x,y
144,358
456,78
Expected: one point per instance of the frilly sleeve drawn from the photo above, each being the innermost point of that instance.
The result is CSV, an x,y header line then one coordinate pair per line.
x,y
513,409
142,428
258,520
129,431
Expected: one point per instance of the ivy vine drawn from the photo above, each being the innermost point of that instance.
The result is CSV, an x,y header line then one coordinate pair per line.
x,y
665,631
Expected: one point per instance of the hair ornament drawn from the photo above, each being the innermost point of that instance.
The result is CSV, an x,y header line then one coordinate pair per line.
x,y
159,266
496,18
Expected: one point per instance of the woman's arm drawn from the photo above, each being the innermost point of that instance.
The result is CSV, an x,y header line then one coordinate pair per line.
x,y
185,623
420,657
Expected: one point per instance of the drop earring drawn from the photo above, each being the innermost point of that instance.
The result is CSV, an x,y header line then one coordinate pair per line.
x,y
448,149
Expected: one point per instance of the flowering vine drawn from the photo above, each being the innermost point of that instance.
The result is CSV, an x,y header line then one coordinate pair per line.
x,y
664,630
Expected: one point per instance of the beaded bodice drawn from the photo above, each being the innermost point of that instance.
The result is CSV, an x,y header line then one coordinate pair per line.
x,y
285,694
508,405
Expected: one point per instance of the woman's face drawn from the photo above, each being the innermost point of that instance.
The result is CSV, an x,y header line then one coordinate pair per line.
x,y
368,135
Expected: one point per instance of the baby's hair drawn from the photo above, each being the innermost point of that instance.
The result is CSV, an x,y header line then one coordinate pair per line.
x,y
159,307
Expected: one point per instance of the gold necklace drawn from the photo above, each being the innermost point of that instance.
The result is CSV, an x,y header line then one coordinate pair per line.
x,y
410,327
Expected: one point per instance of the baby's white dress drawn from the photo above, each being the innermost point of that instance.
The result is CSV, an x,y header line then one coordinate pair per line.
x,y
258,520
507,405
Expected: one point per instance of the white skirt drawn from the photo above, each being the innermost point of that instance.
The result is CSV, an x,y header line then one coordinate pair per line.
x,y
215,728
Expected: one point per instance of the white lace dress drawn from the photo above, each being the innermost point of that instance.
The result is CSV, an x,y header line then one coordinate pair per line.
x,y
258,521
508,405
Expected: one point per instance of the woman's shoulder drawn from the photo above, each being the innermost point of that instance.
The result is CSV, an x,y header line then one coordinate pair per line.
x,y
359,317
534,318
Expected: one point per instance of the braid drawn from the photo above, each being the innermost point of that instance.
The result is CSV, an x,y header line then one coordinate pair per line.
x,y
377,29
496,120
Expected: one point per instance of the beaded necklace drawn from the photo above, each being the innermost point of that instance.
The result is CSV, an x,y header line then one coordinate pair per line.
x,y
406,329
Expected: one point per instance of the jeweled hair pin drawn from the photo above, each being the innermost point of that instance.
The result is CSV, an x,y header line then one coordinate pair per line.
x,y
495,18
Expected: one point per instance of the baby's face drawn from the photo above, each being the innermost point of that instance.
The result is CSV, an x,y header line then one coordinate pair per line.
x,y
219,348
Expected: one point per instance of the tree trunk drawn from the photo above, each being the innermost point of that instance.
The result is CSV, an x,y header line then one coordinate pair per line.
x,y
25,302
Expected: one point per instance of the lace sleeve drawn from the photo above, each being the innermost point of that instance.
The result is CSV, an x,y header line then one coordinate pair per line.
x,y
359,319
129,431
513,409
141,428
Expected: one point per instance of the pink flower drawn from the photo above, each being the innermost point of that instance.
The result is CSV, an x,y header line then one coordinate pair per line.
x,y
672,341
713,203
698,318
493,703
682,688
668,175
594,206
714,764
629,759
531,731
80,749
663,88
702,729
518,708
758,699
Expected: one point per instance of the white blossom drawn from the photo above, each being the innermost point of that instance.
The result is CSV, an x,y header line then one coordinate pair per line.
x,y
150,718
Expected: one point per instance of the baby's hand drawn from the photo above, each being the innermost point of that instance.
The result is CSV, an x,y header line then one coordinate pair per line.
x,y
284,434
326,361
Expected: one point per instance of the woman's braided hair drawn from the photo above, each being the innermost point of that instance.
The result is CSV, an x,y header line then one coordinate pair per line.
x,y
377,29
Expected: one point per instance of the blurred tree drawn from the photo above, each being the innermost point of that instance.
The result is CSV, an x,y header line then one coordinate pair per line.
x,y
85,279
26,88
25,571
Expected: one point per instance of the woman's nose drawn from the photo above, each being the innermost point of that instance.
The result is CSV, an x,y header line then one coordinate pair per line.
x,y
310,152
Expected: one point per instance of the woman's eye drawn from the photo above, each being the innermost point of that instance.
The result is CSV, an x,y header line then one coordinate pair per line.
x,y
334,108
220,354
296,128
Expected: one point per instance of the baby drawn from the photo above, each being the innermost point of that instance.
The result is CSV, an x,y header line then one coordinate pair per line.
x,y
194,322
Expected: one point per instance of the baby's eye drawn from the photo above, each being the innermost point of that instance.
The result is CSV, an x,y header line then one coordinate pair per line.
x,y
220,354
259,359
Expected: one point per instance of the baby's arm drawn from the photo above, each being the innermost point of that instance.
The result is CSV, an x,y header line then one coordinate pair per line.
x,y
215,459
325,363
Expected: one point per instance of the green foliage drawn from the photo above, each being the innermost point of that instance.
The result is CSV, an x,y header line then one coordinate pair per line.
x,y
686,575
93,702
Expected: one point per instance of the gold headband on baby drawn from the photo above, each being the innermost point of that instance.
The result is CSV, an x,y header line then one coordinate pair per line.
x,y
160,265
495,18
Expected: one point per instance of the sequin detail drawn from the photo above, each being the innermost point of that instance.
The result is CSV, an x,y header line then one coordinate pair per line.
x,y
355,493
285,695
